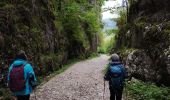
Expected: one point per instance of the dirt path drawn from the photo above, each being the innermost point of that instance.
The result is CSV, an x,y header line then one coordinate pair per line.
x,y
82,81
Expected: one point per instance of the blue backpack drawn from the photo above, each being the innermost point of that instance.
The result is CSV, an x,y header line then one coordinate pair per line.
x,y
116,76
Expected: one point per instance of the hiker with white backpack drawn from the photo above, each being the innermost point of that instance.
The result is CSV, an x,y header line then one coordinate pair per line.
x,y
116,75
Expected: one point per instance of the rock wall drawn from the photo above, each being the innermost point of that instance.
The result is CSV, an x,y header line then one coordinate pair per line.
x,y
141,66
50,31
148,31
29,26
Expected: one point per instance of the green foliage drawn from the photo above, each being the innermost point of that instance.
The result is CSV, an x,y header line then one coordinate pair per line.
x,y
109,32
120,40
92,20
35,30
122,20
81,21
147,91
50,31
107,45
101,39
5,93
115,31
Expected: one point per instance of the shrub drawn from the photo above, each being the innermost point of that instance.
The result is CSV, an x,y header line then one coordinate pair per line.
x,y
147,91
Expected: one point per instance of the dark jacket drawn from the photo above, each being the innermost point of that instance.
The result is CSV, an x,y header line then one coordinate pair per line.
x,y
107,76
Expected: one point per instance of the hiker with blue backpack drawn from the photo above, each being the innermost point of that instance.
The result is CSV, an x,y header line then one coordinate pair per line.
x,y
116,76
21,77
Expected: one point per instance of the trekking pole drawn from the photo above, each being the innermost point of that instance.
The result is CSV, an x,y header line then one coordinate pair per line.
x,y
104,90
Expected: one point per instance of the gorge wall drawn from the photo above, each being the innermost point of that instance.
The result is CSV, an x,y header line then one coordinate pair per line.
x,y
147,32
50,31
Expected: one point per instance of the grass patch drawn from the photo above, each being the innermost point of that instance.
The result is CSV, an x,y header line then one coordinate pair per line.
x,y
5,94
139,90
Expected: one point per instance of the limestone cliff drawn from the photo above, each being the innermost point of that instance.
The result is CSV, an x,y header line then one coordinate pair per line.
x,y
148,30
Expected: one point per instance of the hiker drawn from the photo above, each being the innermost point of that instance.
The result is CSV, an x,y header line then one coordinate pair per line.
x,y
21,77
116,76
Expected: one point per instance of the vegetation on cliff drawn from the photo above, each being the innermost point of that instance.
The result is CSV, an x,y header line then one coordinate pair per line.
x,y
50,31
144,29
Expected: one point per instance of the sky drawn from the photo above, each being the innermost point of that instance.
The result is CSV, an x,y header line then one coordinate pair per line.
x,y
107,16
111,3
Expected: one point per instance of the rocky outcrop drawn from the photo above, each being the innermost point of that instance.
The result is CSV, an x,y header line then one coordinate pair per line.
x,y
141,66
148,30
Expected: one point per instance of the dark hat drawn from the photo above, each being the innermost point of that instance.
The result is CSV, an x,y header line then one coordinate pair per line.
x,y
21,55
115,58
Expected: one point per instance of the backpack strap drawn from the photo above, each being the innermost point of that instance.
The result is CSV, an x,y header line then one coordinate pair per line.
x,y
24,67
24,64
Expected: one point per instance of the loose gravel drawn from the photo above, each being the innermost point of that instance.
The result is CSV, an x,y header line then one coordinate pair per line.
x,y
82,81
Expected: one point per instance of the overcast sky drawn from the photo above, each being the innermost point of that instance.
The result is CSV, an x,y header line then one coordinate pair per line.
x,y
111,3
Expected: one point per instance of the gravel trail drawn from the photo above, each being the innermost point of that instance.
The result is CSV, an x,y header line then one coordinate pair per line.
x,y
82,81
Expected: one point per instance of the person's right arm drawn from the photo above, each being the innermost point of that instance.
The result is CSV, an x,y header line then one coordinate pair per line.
x,y
31,76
